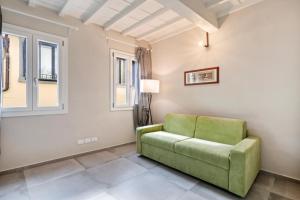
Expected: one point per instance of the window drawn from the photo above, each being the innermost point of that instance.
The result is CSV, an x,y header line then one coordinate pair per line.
x,y
23,62
34,72
48,61
124,70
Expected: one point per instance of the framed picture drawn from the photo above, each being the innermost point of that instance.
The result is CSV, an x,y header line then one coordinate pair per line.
x,y
202,76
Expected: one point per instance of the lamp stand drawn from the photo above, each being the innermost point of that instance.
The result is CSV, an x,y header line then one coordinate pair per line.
x,y
147,110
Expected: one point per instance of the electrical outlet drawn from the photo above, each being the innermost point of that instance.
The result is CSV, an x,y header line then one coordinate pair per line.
x,y
87,140
80,141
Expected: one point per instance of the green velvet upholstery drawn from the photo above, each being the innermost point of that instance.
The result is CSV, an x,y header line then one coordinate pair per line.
x,y
214,153
244,165
223,130
204,171
213,149
163,139
145,129
180,124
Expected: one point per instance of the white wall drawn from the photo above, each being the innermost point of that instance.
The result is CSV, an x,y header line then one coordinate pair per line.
x,y
29,140
258,51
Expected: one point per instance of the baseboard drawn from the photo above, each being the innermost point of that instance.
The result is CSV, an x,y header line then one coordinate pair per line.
x,y
18,169
280,175
9,171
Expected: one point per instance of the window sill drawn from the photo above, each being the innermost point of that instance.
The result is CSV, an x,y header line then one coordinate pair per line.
x,y
120,109
7,114
47,82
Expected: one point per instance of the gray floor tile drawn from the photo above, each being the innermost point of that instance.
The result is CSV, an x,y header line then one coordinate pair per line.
x,y
95,159
286,188
16,195
78,186
264,180
11,182
190,196
208,191
116,171
185,181
147,187
125,150
258,193
103,196
39,175
143,161
278,197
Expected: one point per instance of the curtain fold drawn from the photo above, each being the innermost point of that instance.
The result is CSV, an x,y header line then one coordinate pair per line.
x,y
145,72
0,71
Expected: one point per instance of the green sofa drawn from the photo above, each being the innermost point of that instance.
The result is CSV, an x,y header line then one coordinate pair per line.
x,y
216,150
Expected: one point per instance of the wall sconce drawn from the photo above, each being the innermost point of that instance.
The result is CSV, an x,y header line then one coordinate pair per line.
x,y
205,42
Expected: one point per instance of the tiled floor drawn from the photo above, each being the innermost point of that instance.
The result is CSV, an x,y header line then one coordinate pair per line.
x,y
120,174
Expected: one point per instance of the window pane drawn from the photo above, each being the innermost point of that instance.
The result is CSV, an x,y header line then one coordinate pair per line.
x,y
48,69
46,62
134,82
121,96
121,71
121,87
14,65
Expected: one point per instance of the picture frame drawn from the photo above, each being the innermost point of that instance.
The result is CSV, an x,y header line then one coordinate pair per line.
x,y
202,76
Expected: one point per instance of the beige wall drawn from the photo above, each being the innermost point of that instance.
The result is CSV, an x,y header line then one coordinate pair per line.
x,y
258,51
29,140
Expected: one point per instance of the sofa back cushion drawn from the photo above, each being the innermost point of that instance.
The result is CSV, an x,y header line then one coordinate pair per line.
x,y
222,130
180,124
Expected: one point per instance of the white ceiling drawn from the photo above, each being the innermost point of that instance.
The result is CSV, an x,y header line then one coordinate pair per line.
x,y
149,20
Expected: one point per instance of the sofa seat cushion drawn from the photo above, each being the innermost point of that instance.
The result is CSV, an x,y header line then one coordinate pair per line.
x,y
162,139
216,154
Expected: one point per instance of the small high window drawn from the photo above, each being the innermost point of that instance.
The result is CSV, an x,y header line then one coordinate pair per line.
x,y
124,81
48,61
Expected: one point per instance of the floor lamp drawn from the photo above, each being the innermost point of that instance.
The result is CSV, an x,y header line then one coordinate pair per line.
x,y
149,87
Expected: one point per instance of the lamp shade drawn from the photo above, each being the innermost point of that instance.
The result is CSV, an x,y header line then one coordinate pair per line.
x,y
149,86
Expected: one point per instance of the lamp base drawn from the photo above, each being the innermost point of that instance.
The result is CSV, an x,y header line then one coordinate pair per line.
x,y
147,111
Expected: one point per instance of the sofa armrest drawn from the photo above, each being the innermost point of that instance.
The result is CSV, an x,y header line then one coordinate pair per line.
x,y
244,165
145,129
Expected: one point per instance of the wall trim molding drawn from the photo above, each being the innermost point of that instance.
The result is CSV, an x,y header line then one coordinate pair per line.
x,y
19,169
280,175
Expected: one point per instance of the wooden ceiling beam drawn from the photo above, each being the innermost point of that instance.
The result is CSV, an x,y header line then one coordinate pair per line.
x,y
108,25
65,8
144,21
88,19
159,28
195,11
31,3
179,31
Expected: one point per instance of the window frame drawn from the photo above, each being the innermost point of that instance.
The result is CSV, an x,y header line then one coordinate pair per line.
x,y
31,73
128,79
